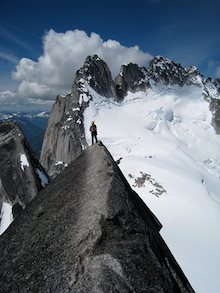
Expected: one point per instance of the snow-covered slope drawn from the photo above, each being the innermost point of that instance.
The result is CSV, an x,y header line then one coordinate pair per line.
x,y
169,153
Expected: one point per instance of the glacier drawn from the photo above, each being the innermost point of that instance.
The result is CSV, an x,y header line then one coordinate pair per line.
x,y
169,153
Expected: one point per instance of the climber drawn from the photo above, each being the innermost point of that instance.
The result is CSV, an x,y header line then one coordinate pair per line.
x,y
93,130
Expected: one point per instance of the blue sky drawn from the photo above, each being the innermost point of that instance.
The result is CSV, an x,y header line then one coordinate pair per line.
x,y
43,43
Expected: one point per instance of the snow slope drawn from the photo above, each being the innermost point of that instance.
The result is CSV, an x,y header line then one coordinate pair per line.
x,y
6,217
170,156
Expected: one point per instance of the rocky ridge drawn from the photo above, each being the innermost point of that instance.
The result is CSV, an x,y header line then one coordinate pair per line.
x,y
163,70
65,134
21,175
88,231
64,138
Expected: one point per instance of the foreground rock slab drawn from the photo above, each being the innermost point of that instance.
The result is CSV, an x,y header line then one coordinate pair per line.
x,y
88,231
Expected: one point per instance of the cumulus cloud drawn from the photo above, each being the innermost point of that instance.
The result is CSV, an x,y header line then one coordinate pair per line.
x,y
7,97
63,55
32,89
10,100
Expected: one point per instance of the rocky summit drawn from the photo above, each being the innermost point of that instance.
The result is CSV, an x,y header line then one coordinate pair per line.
x,y
88,231
21,175
64,138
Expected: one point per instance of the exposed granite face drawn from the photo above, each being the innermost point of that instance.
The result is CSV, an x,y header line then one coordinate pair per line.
x,y
21,175
131,78
98,76
88,231
64,137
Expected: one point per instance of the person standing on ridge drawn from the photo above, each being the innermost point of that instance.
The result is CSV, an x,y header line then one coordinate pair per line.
x,y
93,130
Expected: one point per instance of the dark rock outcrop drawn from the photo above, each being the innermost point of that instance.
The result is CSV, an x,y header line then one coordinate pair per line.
x,y
88,231
212,95
98,76
131,78
21,175
215,108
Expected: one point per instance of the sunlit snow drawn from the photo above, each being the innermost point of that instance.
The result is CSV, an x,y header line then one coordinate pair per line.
x,y
6,217
170,156
24,161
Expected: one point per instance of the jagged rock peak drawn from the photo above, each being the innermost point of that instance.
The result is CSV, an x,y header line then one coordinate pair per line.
x,y
21,175
164,70
64,138
131,78
98,76
97,236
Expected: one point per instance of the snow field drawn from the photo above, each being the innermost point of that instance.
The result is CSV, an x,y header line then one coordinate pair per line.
x,y
168,136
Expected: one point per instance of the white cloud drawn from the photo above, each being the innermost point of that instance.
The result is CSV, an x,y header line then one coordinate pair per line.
x,y
115,55
63,55
33,90
8,97
10,100
48,103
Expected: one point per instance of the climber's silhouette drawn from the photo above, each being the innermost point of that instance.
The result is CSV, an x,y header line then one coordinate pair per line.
x,y
93,129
